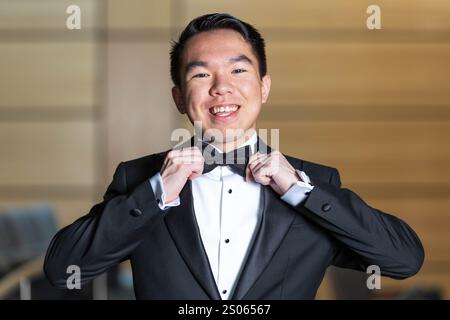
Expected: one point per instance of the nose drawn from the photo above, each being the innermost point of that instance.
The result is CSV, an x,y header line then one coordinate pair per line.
x,y
221,86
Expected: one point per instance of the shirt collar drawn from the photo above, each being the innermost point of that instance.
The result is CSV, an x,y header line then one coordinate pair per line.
x,y
250,142
222,171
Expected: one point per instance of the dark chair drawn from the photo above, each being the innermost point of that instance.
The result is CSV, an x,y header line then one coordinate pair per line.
x,y
25,234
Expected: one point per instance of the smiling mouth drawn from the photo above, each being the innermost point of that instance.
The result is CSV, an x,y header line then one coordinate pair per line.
x,y
224,110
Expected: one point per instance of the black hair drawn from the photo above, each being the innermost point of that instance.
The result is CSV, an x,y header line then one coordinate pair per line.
x,y
216,21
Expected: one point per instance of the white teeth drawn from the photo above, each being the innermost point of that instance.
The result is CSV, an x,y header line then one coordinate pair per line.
x,y
224,109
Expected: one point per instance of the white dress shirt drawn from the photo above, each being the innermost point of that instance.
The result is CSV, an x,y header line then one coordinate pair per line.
x,y
227,209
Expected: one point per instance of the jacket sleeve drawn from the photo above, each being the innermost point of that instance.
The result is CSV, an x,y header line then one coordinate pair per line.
x,y
365,235
105,236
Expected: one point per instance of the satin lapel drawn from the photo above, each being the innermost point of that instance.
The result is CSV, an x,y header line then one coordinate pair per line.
x,y
184,231
276,218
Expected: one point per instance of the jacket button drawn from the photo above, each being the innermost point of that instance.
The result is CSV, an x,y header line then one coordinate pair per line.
x,y
326,207
136,212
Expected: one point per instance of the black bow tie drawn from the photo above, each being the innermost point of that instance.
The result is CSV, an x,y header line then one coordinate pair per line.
x,y
236,159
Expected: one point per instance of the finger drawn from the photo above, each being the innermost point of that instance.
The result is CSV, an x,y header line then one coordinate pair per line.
x,y
262,176
253,159
163,167
271,166
196,169
185,151
253,162
247,174
258,164
266,171
190,152
192,149
187,159
167,160
169,156
261,179
191,171
256,157
194,175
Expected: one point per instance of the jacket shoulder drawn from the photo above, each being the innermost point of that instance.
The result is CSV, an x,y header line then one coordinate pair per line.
x,y
315,171
139,169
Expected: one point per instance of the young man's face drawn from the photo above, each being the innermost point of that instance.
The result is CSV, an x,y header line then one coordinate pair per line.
x,y
220,83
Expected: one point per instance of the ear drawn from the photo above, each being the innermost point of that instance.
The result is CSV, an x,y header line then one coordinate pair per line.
x,y
265,87
178,99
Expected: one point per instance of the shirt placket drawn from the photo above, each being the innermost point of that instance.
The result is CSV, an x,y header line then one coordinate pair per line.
x,y
225,246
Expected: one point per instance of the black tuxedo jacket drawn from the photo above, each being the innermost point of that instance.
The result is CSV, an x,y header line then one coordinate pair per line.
x,y
287,259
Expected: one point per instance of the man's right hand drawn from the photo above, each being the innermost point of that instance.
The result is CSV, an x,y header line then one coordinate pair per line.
x,y
178,167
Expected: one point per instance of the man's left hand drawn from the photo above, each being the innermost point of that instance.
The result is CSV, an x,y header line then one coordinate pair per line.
x,y
272,169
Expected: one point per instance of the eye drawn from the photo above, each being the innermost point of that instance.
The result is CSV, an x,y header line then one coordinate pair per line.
x,y
239,70
200,75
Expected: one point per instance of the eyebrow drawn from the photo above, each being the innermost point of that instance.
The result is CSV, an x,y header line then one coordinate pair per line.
x,y
196,63
200,63
242,57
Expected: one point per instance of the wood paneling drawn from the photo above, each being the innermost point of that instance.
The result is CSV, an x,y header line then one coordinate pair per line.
x,y
371,152
352,74
327,14
45,14
47,154
47,75
141,113
138,14
364,112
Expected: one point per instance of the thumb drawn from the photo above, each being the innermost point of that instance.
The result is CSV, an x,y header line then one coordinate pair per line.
x,y
248,174
194,175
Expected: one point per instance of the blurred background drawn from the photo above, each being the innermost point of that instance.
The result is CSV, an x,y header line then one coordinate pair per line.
x,y
75,103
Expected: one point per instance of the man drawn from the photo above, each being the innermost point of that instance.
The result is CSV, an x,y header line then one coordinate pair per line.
x,y
267,229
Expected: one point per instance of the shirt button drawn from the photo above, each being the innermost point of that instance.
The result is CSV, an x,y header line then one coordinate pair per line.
x,y
224,291
230,191
136,212
227,240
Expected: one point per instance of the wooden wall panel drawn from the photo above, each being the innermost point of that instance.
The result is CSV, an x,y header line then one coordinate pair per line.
x,y
44,154
327,14
371,152
45,14
138,14
141,113
353,74
37,75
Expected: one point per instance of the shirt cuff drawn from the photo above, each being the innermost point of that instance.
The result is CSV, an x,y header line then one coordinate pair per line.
x,y
160,195
299,191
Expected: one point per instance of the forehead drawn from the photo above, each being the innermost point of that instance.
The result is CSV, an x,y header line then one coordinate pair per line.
x,y
217,45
